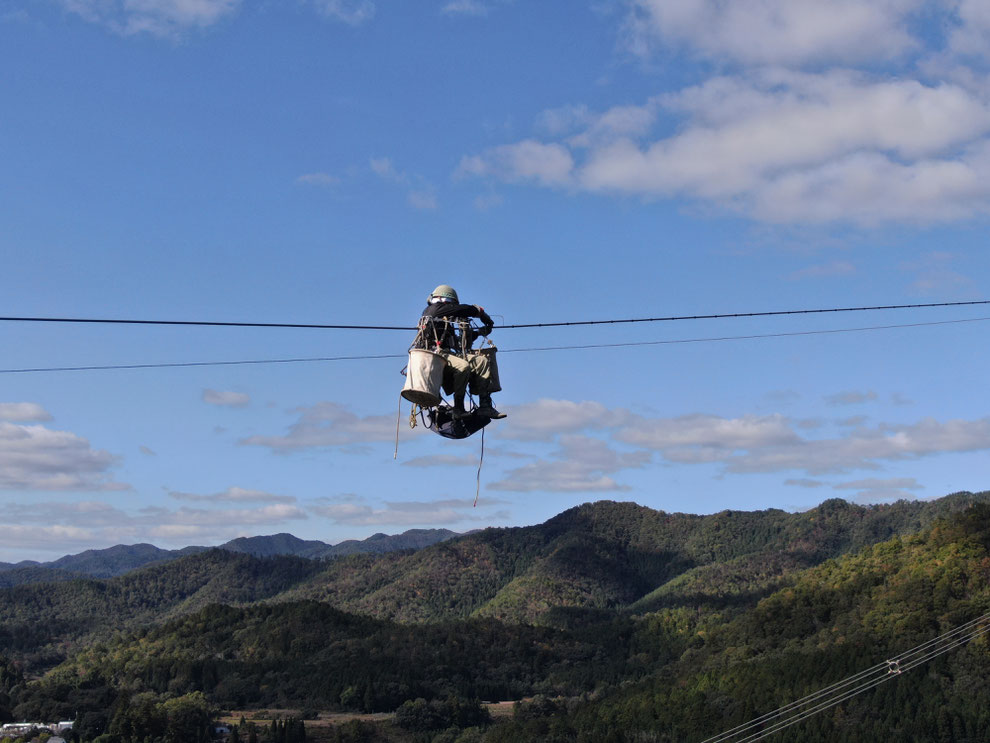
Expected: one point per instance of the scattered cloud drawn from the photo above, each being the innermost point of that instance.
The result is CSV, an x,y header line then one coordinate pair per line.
x,y
776,32
226,398
865,448
702,437
62,527
351,12
804,482
233,495
746,444
147,451
329,424
420,193
546,418
164,18
850,397
443,460
405,513
545,164
905,483
881,491
23,412
778,145
33,457
224,517
582,464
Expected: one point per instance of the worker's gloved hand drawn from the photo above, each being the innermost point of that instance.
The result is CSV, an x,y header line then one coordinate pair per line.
x,y
488,324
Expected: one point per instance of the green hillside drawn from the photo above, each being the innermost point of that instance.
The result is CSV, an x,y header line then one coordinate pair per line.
x,y
611,556
629,624
40,623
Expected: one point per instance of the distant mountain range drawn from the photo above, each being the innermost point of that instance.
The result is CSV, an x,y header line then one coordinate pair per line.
x,y
643,620
122,559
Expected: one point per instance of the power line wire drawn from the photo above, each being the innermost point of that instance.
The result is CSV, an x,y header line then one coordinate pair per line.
x,y
316,359
746,314
839,692
321,326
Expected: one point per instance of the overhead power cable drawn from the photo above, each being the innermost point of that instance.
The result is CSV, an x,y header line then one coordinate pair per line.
x,y
321,326
745,314
841,691
318,359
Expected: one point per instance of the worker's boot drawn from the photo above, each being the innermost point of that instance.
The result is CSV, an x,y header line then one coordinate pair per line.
x,y
458,411
487,408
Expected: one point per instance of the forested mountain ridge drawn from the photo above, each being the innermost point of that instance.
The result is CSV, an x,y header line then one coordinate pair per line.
x,y
833,621
123,558
40,623
677,674
608,556
599,557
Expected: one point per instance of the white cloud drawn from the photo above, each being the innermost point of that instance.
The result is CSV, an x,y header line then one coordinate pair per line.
x,y
873,490
62,527
546,164
420,193
780,146
23,412
863,448
234,495
707,433
329,424
776,31
971,35
872,483
202,517
582,464
226,398
351,12
33,457
746,444
443,460
156,17
404,513
545,419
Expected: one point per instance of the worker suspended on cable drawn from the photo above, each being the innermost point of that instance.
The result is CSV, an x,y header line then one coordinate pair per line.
x,y
445,328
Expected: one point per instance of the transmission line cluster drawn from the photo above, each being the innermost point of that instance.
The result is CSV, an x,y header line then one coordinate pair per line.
x,y
841,691
366,357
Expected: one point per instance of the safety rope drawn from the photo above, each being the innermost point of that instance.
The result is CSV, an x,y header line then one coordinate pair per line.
x,y
481,460
844,690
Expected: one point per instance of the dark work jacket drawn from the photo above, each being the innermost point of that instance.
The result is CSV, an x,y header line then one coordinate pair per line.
x,y
433,327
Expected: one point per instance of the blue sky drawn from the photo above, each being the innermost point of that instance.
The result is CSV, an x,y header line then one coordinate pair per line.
x,y
331,161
